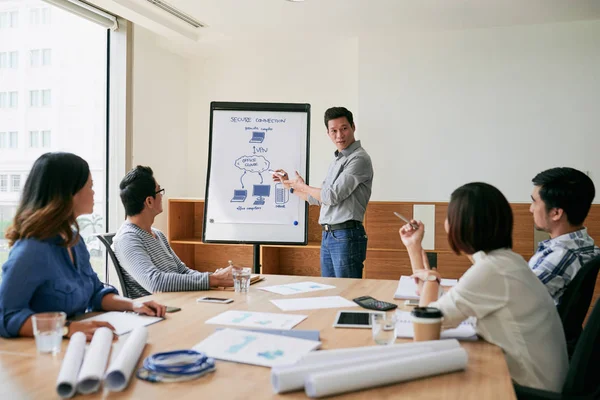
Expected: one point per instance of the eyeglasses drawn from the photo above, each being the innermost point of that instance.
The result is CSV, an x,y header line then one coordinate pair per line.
x,y
160,191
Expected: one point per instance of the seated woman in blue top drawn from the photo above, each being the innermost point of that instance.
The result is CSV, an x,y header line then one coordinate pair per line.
x,y
48,268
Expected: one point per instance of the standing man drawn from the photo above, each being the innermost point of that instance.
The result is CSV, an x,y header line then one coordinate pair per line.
x,y
561,200
343,198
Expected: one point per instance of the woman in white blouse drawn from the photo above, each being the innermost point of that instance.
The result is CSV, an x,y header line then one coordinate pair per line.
x,y
513,308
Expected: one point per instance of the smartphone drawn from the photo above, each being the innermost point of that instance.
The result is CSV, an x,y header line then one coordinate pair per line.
x,y
213,300
173,309
411,303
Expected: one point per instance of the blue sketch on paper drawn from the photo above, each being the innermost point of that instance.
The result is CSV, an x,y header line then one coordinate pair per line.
x,y
315,286
261,191
241,318
271,355
263,323
257,137
237,347
239,196
282,195
253,164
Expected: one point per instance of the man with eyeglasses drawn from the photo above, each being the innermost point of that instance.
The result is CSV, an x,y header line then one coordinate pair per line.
x,y
149,262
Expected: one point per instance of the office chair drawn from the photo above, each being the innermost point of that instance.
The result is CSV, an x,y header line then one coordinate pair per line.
x,y
107,239
576,300
582,378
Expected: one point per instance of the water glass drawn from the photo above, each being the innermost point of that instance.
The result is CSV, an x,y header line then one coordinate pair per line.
x,y
241,279
384,328
48,331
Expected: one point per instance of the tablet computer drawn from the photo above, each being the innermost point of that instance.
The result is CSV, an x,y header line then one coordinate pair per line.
x,y
354,319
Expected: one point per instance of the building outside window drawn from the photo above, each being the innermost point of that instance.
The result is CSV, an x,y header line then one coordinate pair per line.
x,y
34,140
13,99
15,183
3,183
46,139
13,140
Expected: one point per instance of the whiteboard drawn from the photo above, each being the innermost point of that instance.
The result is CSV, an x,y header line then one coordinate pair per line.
x,y
243,204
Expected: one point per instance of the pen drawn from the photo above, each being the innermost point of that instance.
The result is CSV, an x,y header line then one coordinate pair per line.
x,y
403,218
276,173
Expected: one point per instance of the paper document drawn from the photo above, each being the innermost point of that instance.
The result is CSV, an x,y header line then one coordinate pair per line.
x,y
407,288
464,331
297,288
257,319
255,348
313,303
125,322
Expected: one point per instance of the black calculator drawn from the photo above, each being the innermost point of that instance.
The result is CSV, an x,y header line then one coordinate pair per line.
x,y
374,304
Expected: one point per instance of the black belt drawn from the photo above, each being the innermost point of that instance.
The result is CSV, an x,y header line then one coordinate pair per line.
x,y
343,225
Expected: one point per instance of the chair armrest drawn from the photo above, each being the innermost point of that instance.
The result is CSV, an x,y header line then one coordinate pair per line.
x,y
527,393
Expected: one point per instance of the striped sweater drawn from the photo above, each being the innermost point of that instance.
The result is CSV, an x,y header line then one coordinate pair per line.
x,y
151,265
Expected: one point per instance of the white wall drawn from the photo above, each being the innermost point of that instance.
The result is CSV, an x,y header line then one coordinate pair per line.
x,y
322,73
160,114
434,110
497,105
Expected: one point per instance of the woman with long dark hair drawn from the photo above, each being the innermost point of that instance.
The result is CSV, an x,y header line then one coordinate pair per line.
x,y
48,268
513,308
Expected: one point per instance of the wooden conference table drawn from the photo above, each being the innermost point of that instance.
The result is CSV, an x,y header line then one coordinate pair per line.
x,y
26,375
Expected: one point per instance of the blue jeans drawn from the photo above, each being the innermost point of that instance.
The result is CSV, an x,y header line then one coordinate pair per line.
x,y
343,252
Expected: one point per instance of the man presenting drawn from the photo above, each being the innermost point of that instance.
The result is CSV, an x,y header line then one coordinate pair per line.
x,y
343,198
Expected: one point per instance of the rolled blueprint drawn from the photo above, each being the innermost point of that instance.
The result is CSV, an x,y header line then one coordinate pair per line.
x,y
94,363
291,377
353,352
66,383
378,373
120,370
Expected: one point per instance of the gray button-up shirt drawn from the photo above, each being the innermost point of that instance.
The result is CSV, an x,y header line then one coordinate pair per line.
x,y
346,189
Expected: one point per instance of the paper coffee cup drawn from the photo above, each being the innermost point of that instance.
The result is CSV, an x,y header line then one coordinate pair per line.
x,y
427,323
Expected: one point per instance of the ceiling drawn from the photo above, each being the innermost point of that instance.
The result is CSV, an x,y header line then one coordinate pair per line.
x,y
358,17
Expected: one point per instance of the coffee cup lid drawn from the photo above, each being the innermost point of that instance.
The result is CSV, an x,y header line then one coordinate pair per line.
x,y
426,312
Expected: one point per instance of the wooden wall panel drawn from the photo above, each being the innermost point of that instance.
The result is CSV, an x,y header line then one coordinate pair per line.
x,y
181,220
314,229
269,260
209,257
386,264
452,266
185,252
522,229
382,225
198,219
441,237
295,261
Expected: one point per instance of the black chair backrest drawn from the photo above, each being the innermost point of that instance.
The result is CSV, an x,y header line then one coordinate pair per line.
x,y
107,239
576,300
582,379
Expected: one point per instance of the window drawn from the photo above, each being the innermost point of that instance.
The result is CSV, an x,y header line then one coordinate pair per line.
x,y
46,97
34,98
15,183
9,19
13,99
3,183
39,16
34,139
46,57
73,126
34,58
46,140
2,140
13,59
13,140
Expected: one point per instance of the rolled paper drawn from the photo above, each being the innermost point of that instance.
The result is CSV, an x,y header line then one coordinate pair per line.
x,y
385,372
120,370
94,363
66,383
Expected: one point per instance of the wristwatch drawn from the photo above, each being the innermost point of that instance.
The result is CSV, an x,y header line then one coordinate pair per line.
x,y
66,328
432,278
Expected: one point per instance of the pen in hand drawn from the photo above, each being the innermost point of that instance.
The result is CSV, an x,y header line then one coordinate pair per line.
x,y
403,218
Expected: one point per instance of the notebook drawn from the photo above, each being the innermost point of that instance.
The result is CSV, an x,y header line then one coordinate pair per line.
x,y
464,331
407,288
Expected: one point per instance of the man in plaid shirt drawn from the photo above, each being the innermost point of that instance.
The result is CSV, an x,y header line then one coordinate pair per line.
x,y
561,200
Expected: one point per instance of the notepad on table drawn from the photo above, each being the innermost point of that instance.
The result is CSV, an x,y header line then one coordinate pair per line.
x,y
125,322
407,288
464,331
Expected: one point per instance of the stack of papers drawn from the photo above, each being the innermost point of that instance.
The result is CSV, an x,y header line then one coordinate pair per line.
x,y
464,331
297,288
313,303
407,288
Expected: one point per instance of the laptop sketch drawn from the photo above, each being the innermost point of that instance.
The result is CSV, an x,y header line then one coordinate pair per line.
x,y
257,137
239,196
